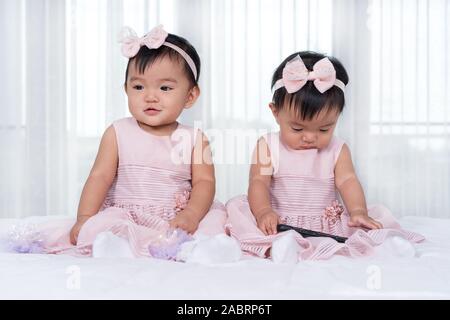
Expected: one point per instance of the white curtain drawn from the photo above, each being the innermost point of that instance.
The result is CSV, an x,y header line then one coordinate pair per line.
x,y
33,136
62,83
397,121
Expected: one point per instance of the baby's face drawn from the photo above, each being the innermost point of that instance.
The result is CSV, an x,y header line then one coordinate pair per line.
x,y
301,134
158,96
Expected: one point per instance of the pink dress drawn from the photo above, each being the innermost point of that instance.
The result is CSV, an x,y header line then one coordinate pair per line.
x,y
303,194
152,184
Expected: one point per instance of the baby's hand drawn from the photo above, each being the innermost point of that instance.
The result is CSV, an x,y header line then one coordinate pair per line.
x,y
363,220
267,222
76,229
185,221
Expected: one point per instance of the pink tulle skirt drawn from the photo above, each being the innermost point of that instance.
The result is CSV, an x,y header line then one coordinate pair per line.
x,y
140,227
242,226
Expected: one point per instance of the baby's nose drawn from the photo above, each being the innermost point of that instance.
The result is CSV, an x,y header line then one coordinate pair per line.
x,y
150,96
308,138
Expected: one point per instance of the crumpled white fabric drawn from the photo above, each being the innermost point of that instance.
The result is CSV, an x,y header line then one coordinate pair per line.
x,y
108,245
285,249
210,250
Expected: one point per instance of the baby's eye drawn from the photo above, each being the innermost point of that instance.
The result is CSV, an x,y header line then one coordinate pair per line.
x,y
297,129
324,130
138,87
166,88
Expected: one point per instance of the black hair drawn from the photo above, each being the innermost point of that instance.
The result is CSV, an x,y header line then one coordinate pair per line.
x,y
308,101
146,57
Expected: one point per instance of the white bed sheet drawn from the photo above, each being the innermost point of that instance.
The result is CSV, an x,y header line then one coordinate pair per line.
x,y
427,276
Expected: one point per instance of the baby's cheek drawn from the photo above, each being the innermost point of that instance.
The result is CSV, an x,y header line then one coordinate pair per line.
x,y
324,141
294,140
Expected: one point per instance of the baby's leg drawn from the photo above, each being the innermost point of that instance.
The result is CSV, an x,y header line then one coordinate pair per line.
x,y
244,229
241,219
214,221
101,222
129,239
118,222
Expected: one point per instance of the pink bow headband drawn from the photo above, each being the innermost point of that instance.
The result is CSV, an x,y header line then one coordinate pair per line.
x,y
156,38
295,76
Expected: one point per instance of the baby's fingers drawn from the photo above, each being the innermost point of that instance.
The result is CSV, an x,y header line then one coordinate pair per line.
x,y
264,228
377,224
183,225
273,227
73,237
369,224
351,223
173,224
359,223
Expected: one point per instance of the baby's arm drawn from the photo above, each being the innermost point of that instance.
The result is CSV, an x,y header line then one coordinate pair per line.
x,y
258,190
203,187
100,179
351,192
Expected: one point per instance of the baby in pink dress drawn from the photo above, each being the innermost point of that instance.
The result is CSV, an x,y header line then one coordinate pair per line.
x,y
152,175
298,172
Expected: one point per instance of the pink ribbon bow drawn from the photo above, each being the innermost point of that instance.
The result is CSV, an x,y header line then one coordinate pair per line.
x,y
131,43
295,75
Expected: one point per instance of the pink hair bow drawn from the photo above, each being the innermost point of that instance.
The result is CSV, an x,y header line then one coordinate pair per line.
x,y
131,43
295,75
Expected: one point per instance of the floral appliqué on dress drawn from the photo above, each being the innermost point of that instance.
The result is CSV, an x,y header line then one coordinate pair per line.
x,y
333,213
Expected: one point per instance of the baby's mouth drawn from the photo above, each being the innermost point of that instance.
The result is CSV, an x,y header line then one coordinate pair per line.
x,y
151,111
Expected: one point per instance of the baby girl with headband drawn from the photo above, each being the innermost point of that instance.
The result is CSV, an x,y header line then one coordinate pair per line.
x,y
298,172
152,184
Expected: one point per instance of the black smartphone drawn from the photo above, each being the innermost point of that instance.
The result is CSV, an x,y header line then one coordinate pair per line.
x,y
309,233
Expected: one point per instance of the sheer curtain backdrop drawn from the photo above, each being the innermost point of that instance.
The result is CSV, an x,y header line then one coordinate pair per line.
x,y
62,85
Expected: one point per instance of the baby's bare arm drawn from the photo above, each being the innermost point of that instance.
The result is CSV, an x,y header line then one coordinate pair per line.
x,y
97,184
101,176
260,178
348,184
203,180
352,193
